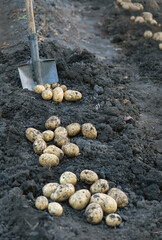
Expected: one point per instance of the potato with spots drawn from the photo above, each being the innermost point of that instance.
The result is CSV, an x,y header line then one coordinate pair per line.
x,y
39,89
55,209
64,88
49,188
60,131
73,129
80,199
58,94
61,140
47,94
72,96
47,86
32,134
89,131
52,123
52,149
70,150
68,177
113,220
48,135
41,203
48,160
39,145
94,213
63,192
54,85
119,196
100,186
88,176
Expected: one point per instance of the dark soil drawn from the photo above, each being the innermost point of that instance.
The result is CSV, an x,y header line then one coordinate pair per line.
x,y
101,53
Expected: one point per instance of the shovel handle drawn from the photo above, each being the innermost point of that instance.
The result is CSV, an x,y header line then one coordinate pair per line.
x,y
30,16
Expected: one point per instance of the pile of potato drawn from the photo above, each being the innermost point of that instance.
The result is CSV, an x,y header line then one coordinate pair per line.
x,y
57,92
98,200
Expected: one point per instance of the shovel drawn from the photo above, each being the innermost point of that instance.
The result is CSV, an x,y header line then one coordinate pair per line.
x,y
36,71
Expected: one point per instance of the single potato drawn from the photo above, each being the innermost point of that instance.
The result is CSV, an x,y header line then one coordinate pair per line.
x,y
160,46
80,199
47,86
88,176
60,131
119,196
63,192
64,88
147,16
52,149
89,131
39,89
48,135
132,18
54,85
148,34
100,186
157,36
58,94
32,134
70,150
55,208
48,160
61,140
73,129
49,188
72,96
39,145
139,19
68,177
41,203
94,213
52,123
47,94
113,220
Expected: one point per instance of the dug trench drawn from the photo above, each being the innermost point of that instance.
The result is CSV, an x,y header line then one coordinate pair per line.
x,y
102,54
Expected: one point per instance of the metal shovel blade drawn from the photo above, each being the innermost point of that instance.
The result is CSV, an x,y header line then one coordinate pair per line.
x,y
48,73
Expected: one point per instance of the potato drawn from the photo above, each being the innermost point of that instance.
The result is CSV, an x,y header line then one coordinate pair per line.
x,y
73,129
61,140
119,196
32,134
147,16
54,150
148,34
58,94
80,199
153,22
47,86
94,213
89,131
49,188
132,18
48,160
55,208
100,186
47,94
62,192
88,176
48,135
113,220
39,145
72,96
41,203
160,46
54,85
64,88
60,131
68,177
157,36
139,19
107,203
70,150
52,123
39,89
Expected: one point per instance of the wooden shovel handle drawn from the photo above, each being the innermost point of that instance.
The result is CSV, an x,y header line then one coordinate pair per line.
x,y
30,16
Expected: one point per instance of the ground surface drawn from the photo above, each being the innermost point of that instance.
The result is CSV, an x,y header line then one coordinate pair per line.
x,y
101,53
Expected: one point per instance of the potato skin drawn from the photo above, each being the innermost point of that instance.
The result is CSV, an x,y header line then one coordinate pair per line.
x,y
52,149
94,213
48,160
60,131
32,133
39,145
70,150
62,192
55,208
148,34
89,131
80,199
47,86
72,96
113,220
73,129
58,94
119,196
64,88
68,177
47,94
39,89
100,186
41,203
61,140
48,135
88,176
49,188
54,85
52,123
107,203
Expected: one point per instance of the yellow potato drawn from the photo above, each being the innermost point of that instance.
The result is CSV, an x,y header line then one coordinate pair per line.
x,y
132,18
49,188
41,203
55,208
60,131
54,85
73,129
80,199
107,203
139,19
89,131
39,89
119,196
88,176
100,186
58,94
72,96
64,88
94,213
52,123
153,22
148,34
68,177
47,86
62,192
113,220
147,16
48,160
61,140
160,46
32,134
136,7
47,94
48,135
157,36
39,145
52,149
70,150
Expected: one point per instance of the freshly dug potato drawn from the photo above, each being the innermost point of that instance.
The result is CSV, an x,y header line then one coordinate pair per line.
x,y
47,86
139,19
52,123
147,16
89,131
157,36
126,5
119,196
73,129
48,160
54,150
88,176
160,46
49,188
113,220
61,140
32,134
48,135
132,18
70,150
72,96
63,192
54,85
94,213
60,131
55,208
100,186
39,145
47,94
39,89
64,88
41,203
80,199
148,34
153,22
68,177
58,94
107,203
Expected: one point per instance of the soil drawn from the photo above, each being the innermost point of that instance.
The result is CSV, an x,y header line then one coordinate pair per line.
x,y
100,52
